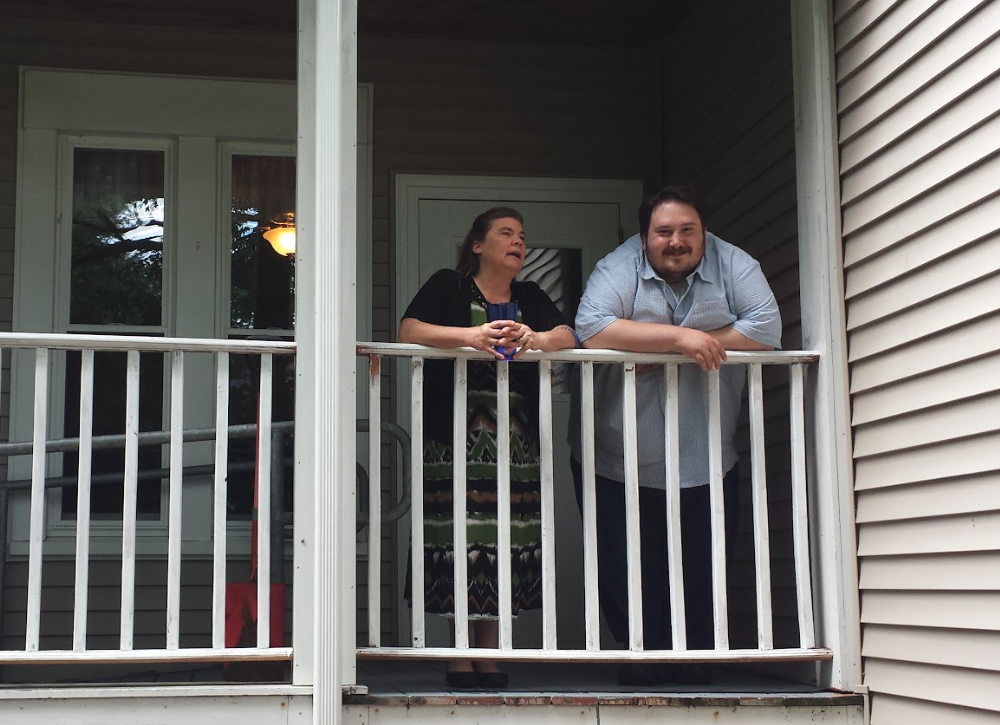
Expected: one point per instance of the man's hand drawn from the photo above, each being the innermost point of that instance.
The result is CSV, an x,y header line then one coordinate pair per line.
x,y
701,347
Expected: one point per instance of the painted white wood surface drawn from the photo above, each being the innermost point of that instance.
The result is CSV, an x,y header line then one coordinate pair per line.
x,y
263,496
163,706
598,714
219,501
374,551
504,588
547,489
418,635
632,538
130,498
82,571
761,530
675,560
592,619
175,498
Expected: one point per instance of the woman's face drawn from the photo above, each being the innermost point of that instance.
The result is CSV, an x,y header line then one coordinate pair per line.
x,y
503,248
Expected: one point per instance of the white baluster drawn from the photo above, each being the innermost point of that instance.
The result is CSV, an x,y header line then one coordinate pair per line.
x,y
130,499
374,500
220,500
504,595
548,506
36,531
632,533
761,535
675,561
800,512
263,542
176,500
461,560
82,573
717,503
417,498
589,483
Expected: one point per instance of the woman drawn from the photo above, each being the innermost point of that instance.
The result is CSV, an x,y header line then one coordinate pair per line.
x,y
450,310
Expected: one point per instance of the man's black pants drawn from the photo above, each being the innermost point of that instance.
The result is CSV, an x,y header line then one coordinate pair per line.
x,y
696,544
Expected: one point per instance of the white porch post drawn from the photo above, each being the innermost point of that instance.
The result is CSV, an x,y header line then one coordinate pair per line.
x,y
324,598
821,271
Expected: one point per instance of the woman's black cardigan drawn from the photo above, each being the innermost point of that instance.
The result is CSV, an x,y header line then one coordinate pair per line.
x,y
446,299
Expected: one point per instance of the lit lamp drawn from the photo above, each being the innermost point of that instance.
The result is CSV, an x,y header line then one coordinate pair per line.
x,y
281,235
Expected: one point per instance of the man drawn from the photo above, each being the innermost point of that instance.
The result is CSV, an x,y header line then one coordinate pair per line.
x,y
674,288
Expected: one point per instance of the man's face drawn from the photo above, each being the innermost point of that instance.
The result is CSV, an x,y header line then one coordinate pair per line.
x,y
675,243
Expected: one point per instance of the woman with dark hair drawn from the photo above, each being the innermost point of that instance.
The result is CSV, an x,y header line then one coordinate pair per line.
x,y
450,310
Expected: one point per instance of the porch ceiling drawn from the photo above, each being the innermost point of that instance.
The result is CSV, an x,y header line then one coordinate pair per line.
x,y
577,22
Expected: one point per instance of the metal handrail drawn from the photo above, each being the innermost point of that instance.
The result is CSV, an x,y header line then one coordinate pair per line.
x,y
403,504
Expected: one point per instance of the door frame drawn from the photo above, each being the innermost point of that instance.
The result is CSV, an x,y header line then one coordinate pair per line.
x,y
410,190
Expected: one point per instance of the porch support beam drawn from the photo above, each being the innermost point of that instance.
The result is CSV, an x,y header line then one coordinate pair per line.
x,y
325,370
821,273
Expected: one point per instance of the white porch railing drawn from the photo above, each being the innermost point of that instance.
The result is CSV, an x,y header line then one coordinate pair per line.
x,y
550,648
39,347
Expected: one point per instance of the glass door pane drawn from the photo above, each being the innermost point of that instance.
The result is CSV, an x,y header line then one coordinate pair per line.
x,y
262,292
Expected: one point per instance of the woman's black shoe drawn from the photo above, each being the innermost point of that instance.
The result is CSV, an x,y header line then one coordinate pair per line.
x,y
492,680
462,679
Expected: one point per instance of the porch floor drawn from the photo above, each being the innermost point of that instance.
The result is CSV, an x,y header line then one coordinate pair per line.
x,y
422,683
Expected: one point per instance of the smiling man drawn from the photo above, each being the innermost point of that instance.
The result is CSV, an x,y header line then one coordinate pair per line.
x,y
674,288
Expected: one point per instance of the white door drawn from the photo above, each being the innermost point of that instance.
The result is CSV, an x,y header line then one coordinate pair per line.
x,y
570,225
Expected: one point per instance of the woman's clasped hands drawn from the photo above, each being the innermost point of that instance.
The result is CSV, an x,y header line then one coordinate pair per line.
x,y
499,335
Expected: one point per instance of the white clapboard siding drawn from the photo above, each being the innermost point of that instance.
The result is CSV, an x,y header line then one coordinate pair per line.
x,y
975,649
745,170
890,709
920,135
966,495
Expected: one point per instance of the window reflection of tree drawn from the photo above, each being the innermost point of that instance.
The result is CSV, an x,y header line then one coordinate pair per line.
x,y
117,237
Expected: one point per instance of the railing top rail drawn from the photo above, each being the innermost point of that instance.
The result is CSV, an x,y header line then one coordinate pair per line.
x,y
397,349
119,343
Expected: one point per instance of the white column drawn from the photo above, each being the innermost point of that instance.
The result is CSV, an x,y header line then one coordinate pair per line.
x,y
325,331
821,272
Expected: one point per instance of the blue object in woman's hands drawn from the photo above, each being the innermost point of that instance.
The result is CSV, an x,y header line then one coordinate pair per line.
x,y
503,311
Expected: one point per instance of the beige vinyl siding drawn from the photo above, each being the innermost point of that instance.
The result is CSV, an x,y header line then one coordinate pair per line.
x,y
104,613
917,86
728,121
